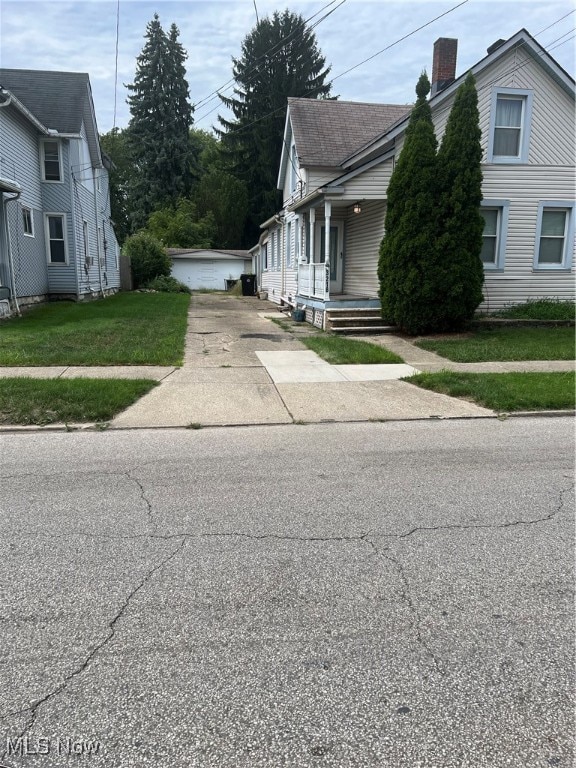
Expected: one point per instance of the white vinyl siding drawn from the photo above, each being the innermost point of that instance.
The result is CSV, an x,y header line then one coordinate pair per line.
x,y
554,235
362,238
56,233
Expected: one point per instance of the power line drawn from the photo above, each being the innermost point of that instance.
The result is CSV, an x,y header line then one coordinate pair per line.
x,y
265,57
116,62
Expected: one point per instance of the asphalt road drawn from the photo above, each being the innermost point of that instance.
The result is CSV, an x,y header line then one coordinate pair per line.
x,y
392,594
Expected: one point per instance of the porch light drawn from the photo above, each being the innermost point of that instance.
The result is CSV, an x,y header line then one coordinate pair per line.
x,y
357,208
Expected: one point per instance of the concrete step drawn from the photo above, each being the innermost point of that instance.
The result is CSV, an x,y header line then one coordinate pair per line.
x,y
360,321
367,330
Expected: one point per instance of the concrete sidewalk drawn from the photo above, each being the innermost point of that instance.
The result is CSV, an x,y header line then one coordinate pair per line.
x,y
241,368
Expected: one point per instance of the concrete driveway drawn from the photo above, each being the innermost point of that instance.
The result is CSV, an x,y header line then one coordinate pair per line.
x,y
231,376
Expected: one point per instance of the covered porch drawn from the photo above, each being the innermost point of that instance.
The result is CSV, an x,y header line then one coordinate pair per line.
x,y
339,245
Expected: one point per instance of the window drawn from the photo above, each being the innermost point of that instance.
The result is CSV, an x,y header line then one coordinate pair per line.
x,y
265,257
289,244
554,235
56,244
293,168
27,222
495,215
51,161
510,118
86,243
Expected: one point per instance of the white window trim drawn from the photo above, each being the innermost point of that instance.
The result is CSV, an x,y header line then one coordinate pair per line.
x,y
503,208
47,215
265,252
527,96
567,255
31,212
42,162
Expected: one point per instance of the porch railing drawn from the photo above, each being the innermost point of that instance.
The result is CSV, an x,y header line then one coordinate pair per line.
x,y
313,281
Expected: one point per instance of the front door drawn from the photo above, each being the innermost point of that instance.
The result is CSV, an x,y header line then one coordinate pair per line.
x,y
336,253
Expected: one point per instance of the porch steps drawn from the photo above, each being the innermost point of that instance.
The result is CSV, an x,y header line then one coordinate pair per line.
x,y
356,322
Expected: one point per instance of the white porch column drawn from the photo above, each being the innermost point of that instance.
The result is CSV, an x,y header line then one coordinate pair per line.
x,y
311,252
327,214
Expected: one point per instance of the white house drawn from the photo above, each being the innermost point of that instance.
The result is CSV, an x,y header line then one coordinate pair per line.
x,y
56,234
321,250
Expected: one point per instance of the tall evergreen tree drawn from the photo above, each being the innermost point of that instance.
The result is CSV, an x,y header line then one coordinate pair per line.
x,y
460,222
408,250
114,145
158,132
280,58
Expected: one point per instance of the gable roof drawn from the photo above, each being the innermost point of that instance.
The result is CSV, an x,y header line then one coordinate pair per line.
x,y
60,101
57,99
522,39
327,131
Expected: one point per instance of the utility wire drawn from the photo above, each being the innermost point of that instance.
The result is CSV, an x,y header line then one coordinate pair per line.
x,y
270,53
116,62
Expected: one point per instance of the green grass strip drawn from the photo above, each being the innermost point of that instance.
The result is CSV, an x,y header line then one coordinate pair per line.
x,y
126,329
47,401
540,309
504,392
339,350
500,344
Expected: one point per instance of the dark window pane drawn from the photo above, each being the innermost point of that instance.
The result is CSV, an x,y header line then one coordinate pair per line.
x,y
57,252
56,227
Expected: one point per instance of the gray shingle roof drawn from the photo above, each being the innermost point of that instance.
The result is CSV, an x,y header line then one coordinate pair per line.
x,y
327,132
56,99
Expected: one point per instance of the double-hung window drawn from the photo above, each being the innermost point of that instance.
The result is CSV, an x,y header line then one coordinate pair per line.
x,y
27,221
289,245
554,235
51,165
495,215
510,119
56,238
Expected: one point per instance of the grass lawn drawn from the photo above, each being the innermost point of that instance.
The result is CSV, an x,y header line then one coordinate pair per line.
x,y
504,392
126,329
46,401
341,351
494,344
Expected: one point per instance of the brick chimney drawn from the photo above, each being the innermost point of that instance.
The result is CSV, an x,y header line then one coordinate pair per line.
x,y
444,63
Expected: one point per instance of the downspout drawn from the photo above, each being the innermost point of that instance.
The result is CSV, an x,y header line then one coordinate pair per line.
x,y
97,238
7,228
9,244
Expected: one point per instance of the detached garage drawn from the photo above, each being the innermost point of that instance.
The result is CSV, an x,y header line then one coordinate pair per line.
x,y
201,268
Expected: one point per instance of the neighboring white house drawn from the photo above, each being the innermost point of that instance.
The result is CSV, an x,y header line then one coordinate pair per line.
x,y
208,269
321,250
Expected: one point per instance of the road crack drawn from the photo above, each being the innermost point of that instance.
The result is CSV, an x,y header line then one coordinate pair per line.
x,y
406,595
32,711
145,499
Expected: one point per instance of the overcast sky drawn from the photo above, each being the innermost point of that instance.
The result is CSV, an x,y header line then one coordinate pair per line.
x,y
81,36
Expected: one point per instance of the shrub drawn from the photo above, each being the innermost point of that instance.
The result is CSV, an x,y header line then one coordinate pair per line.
x,y
147,257
167,284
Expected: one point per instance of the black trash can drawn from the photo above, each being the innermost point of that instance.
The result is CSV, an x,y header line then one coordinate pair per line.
x,y
248,285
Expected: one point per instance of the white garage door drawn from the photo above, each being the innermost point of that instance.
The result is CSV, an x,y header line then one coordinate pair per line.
x,y
205,273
